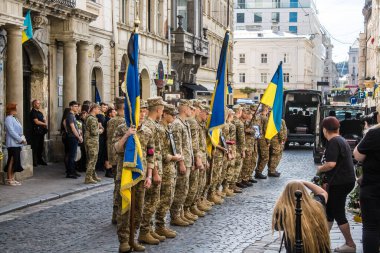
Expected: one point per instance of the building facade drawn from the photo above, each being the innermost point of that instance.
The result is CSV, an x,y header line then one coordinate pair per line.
x,y
257,55
353,64
77,46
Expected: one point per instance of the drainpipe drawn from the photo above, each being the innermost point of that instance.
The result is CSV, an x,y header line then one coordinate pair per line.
x,y
169,10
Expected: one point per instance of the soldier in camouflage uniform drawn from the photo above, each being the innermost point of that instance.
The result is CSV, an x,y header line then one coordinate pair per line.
x,y
225,130
240,145
190,205
218,154
255,125
170,158
91,142
182,136
276,147
263,144
204,171
152,196
249,163
230,140
121,135
112,158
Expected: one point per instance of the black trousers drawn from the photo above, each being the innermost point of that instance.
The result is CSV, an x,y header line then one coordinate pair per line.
x,y
37,147
336,204
371,224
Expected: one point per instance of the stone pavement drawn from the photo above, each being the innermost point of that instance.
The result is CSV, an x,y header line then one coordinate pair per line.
x,y
270,243
47,183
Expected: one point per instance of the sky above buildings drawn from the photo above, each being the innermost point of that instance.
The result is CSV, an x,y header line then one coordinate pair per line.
x,y
344,21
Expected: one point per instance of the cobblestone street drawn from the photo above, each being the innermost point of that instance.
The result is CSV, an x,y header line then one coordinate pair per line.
x,y
82,223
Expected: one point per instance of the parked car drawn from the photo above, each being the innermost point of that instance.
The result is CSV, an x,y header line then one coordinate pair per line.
x,y
351,126
300,108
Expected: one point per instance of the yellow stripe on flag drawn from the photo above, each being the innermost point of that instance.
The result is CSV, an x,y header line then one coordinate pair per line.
x,y
24,37
269,95
271,128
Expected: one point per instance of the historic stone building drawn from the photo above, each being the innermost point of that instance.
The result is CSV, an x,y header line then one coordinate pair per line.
x,y
77,45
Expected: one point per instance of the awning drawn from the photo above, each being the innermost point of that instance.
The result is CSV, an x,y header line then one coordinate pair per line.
x,y
193,86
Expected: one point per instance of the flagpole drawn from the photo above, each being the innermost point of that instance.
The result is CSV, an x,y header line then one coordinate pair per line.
x,y
133,190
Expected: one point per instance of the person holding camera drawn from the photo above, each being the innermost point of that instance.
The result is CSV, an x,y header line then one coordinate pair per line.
x,y
368,152
315,230
339,179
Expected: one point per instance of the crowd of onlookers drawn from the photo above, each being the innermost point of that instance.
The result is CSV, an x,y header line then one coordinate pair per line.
x,y
72,131
327,203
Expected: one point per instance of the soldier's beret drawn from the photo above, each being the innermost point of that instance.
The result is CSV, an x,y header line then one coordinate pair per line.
x,y
184,102
155,101
143,104
170,109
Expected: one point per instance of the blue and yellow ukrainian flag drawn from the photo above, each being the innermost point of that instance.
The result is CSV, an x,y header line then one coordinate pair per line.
x,y
98,99
132,167
376,91
219,98
27,34
273,97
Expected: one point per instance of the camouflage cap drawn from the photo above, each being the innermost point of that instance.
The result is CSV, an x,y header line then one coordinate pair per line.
x,y
230,111
155,101
253,107
196,103
206,108
143,104
204,102
170,109
236,107
184,102
119,100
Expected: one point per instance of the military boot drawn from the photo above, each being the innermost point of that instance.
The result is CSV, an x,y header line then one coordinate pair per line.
x,y
203,206
221,194
194,209
168,233
208,202
95,177
183,217
157,236
89,180
137,247
148,239
124,247
216,199
228,192
179,222
190,216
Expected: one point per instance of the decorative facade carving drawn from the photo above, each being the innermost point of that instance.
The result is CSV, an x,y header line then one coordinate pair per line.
x,y
98,51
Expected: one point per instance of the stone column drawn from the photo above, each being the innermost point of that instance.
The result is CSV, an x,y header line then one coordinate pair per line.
x,y
69,72
83,85
14,74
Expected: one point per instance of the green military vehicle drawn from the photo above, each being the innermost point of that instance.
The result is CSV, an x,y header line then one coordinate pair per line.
x,y
351,126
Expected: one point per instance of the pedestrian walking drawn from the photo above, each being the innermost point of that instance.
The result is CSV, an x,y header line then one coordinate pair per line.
x,y
338,169
14,140
73,139
368,152
38,131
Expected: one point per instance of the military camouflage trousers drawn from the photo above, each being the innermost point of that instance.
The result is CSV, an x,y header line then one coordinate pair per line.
x,y
123,220
275,155
237,167
263,155
216,172
152,199
201,183
166,199
193,188
92,150
249,164
180,194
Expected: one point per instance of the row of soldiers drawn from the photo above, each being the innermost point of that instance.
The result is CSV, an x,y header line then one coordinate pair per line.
x,y
180,176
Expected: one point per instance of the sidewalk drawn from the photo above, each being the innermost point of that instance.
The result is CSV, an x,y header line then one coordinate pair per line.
x,y
269,243
48,183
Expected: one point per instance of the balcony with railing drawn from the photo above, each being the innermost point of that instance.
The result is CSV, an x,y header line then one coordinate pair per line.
x,y
66,3
185,42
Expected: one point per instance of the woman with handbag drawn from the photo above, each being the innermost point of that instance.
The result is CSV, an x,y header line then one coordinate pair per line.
x,y
14,141
339,179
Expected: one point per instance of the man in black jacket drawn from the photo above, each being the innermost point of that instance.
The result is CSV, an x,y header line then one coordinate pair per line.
x,y
38,131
